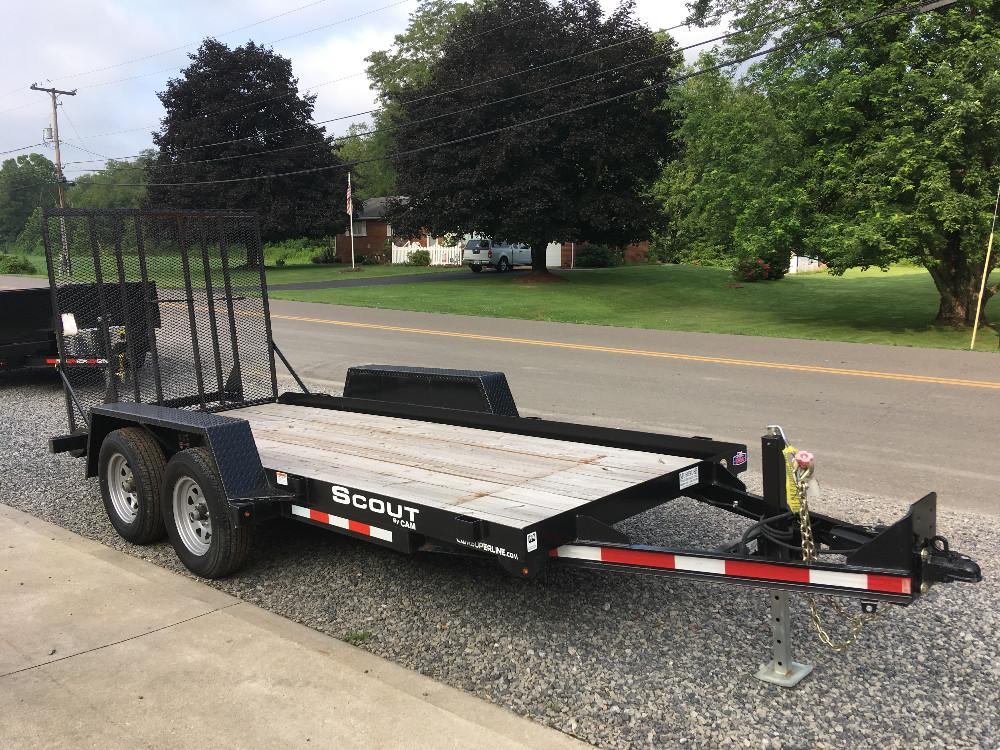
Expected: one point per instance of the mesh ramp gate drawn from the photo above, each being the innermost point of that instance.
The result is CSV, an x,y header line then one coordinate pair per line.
x,y
160,307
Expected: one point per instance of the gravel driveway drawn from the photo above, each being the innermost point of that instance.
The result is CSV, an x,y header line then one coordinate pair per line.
x,y
618,661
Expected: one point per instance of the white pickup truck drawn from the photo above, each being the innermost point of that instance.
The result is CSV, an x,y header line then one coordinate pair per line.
x,y
502,256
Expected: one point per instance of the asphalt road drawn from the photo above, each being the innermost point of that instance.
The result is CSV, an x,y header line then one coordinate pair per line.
x,y
900,434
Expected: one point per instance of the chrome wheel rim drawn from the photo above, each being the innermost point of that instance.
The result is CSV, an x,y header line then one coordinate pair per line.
x,y
194,524
121,488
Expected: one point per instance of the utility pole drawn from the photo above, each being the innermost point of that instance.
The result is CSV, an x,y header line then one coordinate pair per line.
x,y
60,180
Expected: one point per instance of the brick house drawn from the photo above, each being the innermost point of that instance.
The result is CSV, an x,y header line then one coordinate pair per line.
x,y
371,230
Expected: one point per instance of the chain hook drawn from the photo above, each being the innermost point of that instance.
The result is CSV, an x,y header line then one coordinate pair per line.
x,y
801,467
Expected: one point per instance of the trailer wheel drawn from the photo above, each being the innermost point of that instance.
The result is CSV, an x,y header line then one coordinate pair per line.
x,y
131,466
196,516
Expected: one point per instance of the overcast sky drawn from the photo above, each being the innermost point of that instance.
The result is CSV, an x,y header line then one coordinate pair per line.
x,y
65,43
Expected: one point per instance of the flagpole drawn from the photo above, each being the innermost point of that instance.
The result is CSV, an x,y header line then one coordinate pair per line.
x,y
350,217
986,273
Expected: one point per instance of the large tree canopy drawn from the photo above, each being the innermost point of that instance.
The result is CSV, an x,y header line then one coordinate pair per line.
x,y
26,182
405,65
577,176
226,111
717,195
898,130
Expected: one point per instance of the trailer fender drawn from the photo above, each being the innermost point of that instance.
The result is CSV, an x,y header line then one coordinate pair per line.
x,y
229,439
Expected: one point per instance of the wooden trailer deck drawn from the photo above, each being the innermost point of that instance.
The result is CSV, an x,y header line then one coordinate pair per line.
x,y
514,480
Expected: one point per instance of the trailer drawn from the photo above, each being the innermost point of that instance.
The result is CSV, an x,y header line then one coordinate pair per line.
x,y
28,330
200,446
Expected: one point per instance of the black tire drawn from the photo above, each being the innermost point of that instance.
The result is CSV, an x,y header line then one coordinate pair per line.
x,y
503,265
133,501
476,269
227,546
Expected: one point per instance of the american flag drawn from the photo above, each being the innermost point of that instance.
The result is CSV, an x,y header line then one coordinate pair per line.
x,y
350,203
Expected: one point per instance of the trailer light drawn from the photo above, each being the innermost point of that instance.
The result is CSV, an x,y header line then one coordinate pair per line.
x,y
524,571
69,324
246,514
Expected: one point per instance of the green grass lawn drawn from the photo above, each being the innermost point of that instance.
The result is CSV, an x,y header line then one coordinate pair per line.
x,y
288,274
893,307
338,271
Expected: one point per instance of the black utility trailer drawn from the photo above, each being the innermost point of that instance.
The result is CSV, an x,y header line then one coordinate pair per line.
x,y
28,330
200,446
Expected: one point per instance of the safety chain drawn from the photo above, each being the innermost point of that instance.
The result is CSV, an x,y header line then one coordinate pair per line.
x,y
801,467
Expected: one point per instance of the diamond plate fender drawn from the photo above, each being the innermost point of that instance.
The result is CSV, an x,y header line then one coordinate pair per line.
x,y
229,439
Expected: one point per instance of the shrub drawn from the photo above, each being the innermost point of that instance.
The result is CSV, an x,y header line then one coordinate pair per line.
x,y
753,269
598,256
420,258
328,254
16,264
299,251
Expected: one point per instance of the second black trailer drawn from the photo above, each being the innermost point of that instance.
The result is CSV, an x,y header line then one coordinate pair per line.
x,y
201,446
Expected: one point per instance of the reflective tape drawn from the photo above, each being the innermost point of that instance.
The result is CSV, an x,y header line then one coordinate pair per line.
x,y
340,522
736,568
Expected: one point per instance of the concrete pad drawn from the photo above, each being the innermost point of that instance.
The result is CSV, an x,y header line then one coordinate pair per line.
x,y
109,599
151,659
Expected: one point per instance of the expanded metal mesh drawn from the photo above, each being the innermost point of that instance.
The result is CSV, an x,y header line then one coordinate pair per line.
x,y
160,307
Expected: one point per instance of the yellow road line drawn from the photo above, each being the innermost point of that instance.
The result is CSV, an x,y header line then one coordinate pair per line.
x,y
988,384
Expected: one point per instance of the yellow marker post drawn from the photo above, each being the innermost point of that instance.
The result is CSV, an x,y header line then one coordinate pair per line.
x,y
986,273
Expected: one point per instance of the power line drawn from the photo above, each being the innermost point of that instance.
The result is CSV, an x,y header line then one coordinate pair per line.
x,y
273,41
313,87
189,44
307,90
21,148
87,150
916,9
434,96
327,143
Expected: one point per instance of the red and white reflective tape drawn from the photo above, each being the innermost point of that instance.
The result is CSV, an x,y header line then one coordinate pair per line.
x,y
342,523
73,361
737,568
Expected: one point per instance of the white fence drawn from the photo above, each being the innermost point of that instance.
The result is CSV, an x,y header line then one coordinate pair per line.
x,y
440,255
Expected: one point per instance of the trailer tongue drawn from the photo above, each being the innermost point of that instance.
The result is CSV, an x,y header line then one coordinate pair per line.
x,y
195,442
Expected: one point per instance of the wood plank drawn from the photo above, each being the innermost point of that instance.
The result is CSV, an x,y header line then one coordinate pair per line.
x,y
501,510
407,450
636,463
398,463
560,449
550,495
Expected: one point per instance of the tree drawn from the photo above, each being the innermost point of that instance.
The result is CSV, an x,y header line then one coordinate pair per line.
x,y
577,176
26,182
409,63
718,195
898,128
237,113
113,186
406,65
374,175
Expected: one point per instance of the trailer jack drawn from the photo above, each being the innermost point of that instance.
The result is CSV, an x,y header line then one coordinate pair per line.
x,y
782,670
